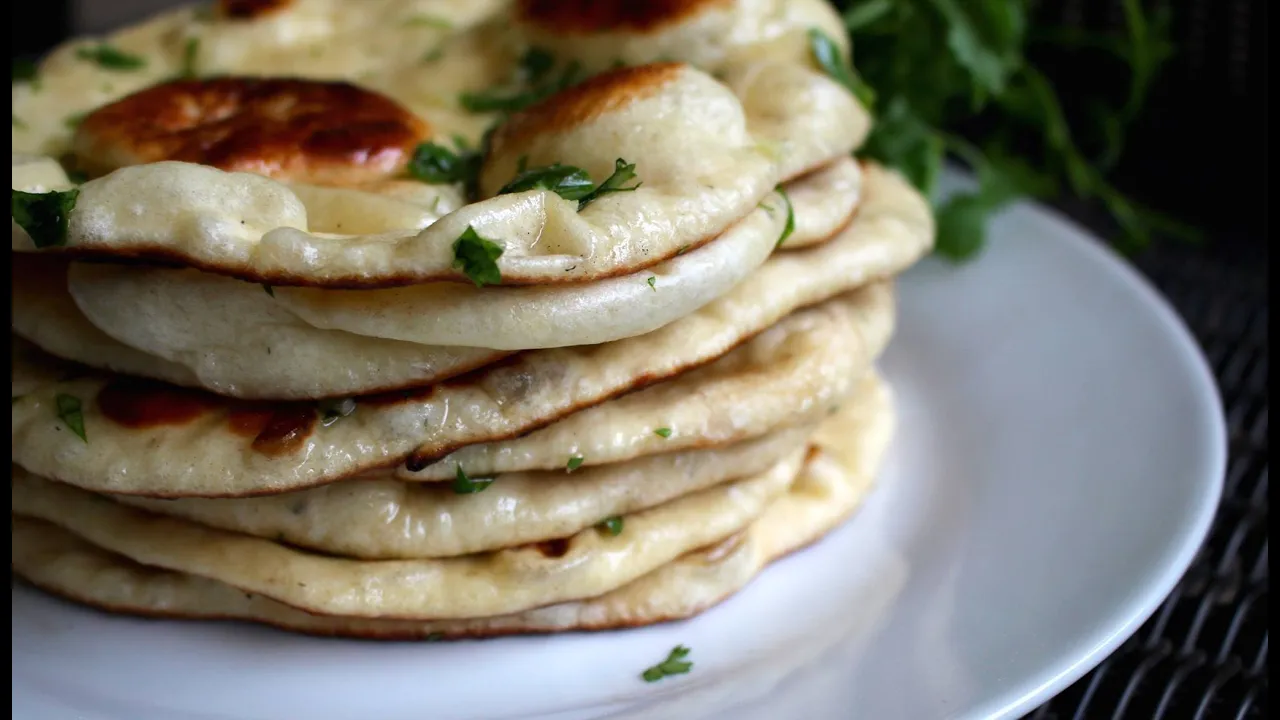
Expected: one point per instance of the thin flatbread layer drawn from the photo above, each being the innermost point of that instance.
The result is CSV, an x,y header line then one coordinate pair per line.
x,y
382,518
206,456
247,345
655,115
828,489
792,373
450,314
587,564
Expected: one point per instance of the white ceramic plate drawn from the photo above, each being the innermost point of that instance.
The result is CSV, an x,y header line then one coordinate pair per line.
x,y
1058,462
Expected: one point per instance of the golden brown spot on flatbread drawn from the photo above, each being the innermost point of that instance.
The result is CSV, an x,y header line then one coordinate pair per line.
x,y
140,403
600,95
329,133
277,429
596,16
556,548
249,9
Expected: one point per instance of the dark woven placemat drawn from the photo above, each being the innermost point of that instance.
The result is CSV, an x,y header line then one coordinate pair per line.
x,y
1203,654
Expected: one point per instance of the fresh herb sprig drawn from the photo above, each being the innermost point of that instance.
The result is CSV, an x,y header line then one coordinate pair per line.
x,y
938,65
477,257
109,57
465,485
675,664
573,183
535,80
45,216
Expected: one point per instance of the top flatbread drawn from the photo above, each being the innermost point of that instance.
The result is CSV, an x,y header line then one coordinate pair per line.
x,y
657,115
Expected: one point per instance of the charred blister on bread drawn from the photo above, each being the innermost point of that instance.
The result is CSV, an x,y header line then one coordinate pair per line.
x,y
327,133
596,16
250,9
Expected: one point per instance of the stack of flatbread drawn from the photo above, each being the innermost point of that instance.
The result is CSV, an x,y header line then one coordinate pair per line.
x,y
443,319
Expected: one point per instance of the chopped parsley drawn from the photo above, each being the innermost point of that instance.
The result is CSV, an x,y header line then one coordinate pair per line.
x,y
675,664
432,163
438,23
434,637
70,414
663,432
571,183
612,525
653,283
623,173
189,52
269,290
44,215
575,462
333,410
827,54
111,58
535,82
477,257
567,181
73,121
790,226
464,485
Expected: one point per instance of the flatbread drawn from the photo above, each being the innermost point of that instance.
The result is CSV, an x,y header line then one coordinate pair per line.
x,y
204,456
656,115
587,564
501,318
706,33
790,374
248,345
382,518
147,317
827,490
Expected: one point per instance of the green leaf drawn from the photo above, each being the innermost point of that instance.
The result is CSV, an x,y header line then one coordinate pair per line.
x,y
567,181
961,224
663,432
432,163
534,82
575,462
269,290
675,664
73,121
790,226
477,257
653,283
111,58
432,21
862,14
44,216
534,64
612,525
464,485
70,414
901,140
189,52
828,56
623,173
985,38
